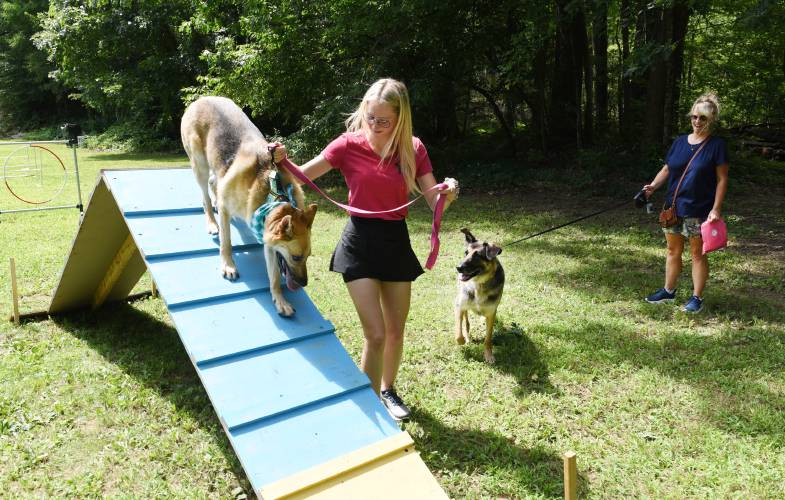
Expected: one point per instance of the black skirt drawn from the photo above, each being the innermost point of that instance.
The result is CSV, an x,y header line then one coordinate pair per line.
x,y
375,248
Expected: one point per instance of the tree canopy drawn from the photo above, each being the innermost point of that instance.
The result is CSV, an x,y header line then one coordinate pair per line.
x,y
540,75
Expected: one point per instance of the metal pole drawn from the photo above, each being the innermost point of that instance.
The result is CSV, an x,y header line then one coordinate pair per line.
x,y
14,293
39,209
18,143
78,185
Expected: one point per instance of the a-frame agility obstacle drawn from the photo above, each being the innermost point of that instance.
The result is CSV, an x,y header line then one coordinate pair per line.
x,y
299,414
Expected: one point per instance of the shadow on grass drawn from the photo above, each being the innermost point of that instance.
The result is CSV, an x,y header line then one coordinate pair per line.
x,y
515,354
151,352
736,375
446,449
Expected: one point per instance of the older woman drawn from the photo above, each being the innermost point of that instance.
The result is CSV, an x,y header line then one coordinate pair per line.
x,y
699,197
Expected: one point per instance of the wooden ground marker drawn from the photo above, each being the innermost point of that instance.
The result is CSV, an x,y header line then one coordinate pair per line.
x,y
570,476
14,292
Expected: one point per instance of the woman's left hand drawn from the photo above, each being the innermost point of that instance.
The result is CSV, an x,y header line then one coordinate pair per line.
x,y
713,215
451,190
279,151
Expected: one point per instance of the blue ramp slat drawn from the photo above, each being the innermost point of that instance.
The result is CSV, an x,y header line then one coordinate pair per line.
x,y
154,190
244,324
181,232
285,379
311,436
186,279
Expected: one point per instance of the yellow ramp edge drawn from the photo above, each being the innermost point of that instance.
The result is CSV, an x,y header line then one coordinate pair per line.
x,y
390,468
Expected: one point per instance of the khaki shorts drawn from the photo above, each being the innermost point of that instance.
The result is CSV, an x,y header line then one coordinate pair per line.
x,y
689,227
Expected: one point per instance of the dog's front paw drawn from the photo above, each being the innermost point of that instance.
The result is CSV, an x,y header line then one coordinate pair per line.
x,y
283,307
212,228
460,339
489,358
229,271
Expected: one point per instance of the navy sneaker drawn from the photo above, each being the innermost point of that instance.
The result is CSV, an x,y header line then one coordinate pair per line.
x,y
395,405
661,296
694,305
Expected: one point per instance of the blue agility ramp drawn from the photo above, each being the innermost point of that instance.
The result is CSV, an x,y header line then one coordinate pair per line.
x,y
299,414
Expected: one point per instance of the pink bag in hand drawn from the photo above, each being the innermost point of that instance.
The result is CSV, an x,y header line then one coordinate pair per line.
x,y
714,234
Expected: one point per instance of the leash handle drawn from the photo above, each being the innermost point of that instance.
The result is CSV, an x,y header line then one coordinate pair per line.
x,y
438,210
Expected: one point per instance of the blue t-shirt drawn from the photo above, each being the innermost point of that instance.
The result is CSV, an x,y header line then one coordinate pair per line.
x,y
696,194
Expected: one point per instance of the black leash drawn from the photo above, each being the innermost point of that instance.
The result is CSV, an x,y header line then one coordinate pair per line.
x,y
568,223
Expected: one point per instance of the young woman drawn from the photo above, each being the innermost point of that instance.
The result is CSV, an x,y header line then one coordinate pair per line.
x,y
382,163
699,198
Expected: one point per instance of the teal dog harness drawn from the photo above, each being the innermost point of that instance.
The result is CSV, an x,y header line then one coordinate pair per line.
x,y
277,196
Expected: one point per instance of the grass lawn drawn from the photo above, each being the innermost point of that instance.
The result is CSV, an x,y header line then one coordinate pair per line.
x,y
656,403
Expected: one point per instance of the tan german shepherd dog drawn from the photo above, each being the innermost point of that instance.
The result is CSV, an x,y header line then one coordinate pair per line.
x,y
480,287
229,158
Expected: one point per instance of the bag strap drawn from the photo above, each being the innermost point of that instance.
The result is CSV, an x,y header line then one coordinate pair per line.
x,y
676,191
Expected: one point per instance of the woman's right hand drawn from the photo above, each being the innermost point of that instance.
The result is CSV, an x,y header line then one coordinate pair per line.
x,y
649,189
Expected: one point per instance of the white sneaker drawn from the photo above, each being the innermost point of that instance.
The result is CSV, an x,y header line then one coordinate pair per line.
x,y
395,405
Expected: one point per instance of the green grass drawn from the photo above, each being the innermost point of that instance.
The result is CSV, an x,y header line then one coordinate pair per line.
x,y
655,403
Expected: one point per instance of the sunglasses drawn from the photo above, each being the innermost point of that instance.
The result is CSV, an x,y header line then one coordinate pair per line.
x,y
382,122
700,118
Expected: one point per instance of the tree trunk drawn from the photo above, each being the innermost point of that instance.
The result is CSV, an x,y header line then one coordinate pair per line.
x,y
624,81
539,110
570,50
600,39
656,19
499,114
588,82
681,17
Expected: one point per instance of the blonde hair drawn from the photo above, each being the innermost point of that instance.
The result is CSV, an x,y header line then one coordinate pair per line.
x,y
393,93
707,104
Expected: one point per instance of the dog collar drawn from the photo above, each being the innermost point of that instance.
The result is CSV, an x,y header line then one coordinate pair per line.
x,y
276,197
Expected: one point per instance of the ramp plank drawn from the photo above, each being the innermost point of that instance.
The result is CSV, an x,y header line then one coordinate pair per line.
x,y
154,234
244,324
187,279
256,386
311,436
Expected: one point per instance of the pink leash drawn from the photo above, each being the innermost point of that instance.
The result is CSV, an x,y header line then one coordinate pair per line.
x,y
437,211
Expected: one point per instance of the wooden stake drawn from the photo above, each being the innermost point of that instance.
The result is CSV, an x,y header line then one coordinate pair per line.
x,y
153,288
14,292
570,476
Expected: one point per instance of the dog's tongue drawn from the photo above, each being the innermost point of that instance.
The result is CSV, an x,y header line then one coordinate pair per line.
x,y
463,277
290,283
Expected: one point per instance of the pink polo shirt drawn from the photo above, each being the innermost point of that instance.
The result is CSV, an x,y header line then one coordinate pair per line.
x,y
373,186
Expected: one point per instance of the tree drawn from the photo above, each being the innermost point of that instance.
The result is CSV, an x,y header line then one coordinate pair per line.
x,y
28,97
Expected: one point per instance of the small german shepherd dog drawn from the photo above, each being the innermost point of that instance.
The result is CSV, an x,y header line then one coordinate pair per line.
x,y
480,286
229,158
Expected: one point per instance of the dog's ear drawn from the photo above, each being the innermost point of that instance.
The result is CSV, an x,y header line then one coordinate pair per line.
x,y
491,251
283,228
310,213
469,236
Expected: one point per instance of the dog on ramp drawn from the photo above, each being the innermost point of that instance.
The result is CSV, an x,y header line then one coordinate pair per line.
x,y
480,287
230,159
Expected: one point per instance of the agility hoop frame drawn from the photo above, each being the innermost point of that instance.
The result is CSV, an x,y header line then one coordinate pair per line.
x,y
37,144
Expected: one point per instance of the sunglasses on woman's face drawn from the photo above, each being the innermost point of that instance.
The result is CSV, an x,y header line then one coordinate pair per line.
x,y
700,118
382,122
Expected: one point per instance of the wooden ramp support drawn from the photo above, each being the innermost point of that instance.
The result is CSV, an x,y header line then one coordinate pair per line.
x,y
301,417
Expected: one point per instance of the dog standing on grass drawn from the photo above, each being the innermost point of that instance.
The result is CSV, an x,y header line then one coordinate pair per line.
x,y
230,159
480,287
